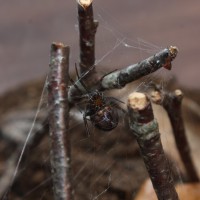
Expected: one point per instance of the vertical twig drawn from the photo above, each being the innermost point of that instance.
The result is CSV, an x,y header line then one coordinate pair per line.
x,y
59,121
172,104
87,31
145,129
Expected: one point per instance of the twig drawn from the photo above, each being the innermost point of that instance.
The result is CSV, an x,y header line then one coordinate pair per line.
x,y
119,79
172,104
87,31
59,121
145,129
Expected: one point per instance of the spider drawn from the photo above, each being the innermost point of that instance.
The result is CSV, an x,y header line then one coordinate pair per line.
x,y
100,110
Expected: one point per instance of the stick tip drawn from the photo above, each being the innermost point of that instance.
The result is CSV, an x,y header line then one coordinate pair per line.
x,y
156,97
137,101
59,46
179,94
84,3
173,51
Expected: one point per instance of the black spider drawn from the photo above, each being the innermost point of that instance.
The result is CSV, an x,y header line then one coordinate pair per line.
x,y
100,110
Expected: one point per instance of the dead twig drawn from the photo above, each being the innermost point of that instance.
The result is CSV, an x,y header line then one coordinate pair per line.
x,y
172,103
145,129
87,30
59,121
119,79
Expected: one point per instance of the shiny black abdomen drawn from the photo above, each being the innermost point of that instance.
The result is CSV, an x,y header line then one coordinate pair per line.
x,y
105,119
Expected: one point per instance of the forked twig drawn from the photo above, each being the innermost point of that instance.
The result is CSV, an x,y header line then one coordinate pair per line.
x,y
145,129
59,121
172,103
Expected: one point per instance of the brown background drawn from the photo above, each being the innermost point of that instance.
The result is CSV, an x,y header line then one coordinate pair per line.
x,y
29,27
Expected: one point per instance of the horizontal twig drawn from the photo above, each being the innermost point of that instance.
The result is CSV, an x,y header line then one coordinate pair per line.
x,y
119,79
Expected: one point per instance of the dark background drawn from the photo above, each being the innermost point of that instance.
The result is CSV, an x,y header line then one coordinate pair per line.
x,y
29,27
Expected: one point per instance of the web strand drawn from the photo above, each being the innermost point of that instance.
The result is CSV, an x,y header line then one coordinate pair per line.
x,y
27,139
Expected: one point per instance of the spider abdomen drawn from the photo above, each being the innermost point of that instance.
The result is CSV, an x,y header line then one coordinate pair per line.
x,y
105,119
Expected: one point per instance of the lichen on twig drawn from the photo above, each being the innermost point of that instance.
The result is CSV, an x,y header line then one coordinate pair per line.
x,y
145,129
120,78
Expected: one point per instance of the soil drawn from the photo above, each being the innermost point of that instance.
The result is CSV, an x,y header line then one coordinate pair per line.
x,y
104,165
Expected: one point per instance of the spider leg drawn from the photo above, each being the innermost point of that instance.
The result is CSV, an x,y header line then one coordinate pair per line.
x,y
108,74
82,76
77,71
113,102
75,85
120,109
86,125
79,84
112,99
87,72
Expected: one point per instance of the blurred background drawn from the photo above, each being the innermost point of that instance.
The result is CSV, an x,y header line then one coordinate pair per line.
x,y
29,27
127,33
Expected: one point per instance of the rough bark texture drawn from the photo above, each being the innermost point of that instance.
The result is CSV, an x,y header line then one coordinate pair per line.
x,y
87,30
59,121
145,129
119,79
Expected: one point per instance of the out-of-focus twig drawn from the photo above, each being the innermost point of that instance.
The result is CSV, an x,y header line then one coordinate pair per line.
x,y
172,102
118,79
145,129
59,121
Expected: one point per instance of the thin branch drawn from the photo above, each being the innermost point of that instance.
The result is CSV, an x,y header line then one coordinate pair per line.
x,y
59,121
145,129
87,30
84,3
119,79
172,104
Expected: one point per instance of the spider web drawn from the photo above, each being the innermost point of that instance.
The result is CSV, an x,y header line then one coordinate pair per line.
x,y
102,159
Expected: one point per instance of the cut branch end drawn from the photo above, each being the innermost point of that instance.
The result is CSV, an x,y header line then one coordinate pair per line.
x,y
156,97
179,94
137,101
